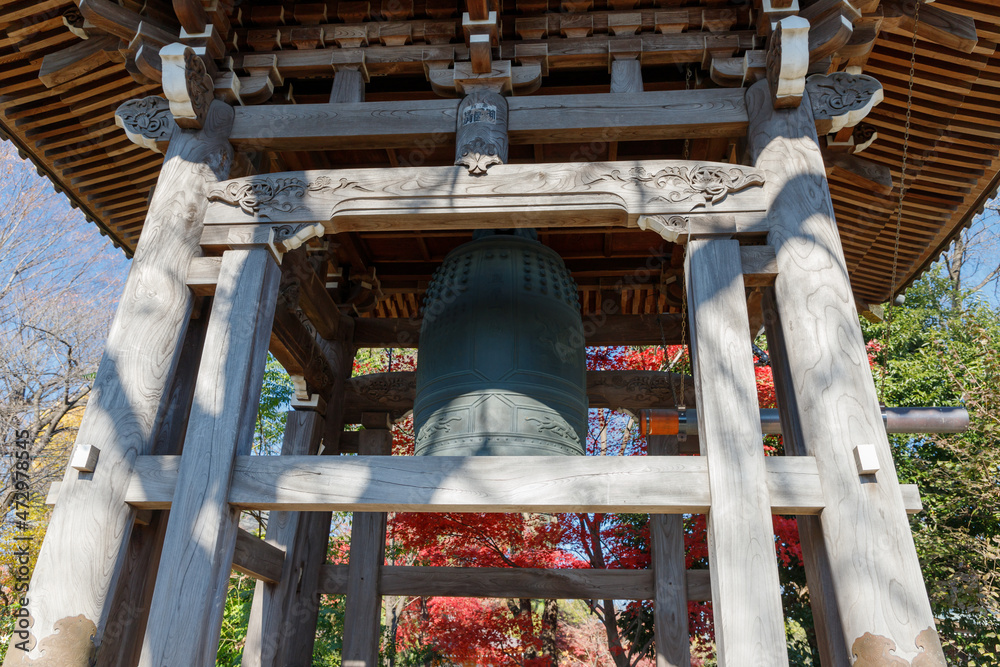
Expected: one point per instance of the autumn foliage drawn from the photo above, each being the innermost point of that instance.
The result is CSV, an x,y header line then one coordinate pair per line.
x,y
523,632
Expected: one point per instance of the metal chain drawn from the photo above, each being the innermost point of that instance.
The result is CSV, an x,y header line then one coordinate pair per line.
x,y
687,155
687,86
890,311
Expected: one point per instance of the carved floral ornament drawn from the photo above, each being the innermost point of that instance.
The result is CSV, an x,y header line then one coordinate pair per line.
x,y
147,122
842,100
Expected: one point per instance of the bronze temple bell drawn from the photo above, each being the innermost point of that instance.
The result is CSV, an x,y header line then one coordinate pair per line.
x,y
501,368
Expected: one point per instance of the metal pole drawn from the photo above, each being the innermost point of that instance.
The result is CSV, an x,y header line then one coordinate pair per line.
x,y
670,421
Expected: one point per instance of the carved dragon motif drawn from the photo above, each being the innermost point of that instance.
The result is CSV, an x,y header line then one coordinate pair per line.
x,y
267,193
707,183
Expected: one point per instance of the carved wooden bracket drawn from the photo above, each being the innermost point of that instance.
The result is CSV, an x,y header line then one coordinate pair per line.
x,y
502,78
481,134
788,61
842,100
186,84
878,651
147,122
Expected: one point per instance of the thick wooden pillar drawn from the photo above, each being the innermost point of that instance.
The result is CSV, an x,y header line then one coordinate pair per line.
x,y
670,608
874,572
826,618
746,598
186,610
88,535
127,624
363,605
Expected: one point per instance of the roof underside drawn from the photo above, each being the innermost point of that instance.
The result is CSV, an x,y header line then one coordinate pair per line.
x,y
67,128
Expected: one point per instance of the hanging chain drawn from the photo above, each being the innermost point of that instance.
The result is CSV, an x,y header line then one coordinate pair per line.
x,y
890,311
687,86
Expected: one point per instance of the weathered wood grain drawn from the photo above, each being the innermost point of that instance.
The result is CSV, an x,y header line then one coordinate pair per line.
x,y
670,611
873,563
122,643
822,597
542,119
186,610
272,616
90,528
746,597
660,484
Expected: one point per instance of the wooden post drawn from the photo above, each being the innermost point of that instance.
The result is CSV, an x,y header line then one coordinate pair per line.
x,y
90,526
275,613
746,598
826,617
874,570
363,606
670,610
186,610
127,624
348,86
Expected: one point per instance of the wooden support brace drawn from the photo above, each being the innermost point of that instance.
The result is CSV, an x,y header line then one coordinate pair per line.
x,y
186,610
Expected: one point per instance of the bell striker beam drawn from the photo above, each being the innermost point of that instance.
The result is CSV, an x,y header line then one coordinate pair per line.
x,y
746,597
88,534
873,565
186,610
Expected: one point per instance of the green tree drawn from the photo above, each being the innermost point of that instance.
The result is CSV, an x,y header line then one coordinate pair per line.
x,y
944,349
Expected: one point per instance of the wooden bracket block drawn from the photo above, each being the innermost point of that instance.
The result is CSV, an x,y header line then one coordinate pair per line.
x,y
576,6
533,27
397,10
350,59
310,14
264,65
772,11
533,55
307,37
626,48
348,36
624,25
671,21
576,25
395,33
788,62
502,78
84,457
210,38
438,58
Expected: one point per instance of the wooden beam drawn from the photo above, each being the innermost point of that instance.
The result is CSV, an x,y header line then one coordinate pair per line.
x,y
533,120
632,390
598,330
186,611
574,194
503,582
477,484
90,528
259,559
864,526
746,595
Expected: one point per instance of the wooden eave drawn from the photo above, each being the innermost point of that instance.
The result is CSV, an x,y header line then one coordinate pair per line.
x,y
68,132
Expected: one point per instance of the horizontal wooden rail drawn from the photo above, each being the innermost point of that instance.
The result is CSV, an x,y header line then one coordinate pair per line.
x,y
509,582
424,124
257,558
638,484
